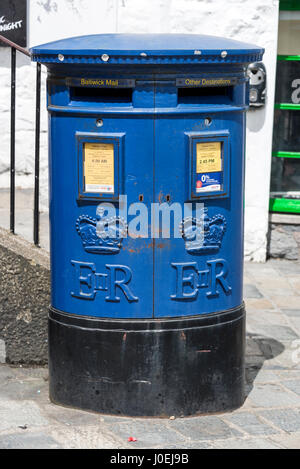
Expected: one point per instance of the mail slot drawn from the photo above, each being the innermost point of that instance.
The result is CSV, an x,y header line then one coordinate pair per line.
x,y
147,144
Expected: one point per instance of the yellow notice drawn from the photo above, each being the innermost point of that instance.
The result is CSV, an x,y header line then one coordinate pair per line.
x,y
99,167
209,157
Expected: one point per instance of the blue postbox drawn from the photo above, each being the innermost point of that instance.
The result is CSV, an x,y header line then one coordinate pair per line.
x,y
142,321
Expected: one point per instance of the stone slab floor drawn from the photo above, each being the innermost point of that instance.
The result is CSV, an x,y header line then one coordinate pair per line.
x,y
269,418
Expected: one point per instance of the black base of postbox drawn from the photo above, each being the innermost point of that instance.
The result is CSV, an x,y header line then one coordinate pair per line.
x,y
162,367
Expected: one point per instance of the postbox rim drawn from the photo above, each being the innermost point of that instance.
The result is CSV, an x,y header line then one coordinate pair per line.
x,y
147,48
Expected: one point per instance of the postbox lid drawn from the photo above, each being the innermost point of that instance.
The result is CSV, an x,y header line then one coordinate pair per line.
x,y
147,49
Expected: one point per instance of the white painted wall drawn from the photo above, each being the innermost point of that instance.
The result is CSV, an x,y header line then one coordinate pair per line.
x,y
253,21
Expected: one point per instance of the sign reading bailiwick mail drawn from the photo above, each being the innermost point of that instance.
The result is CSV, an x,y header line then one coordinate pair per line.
x,y
13,21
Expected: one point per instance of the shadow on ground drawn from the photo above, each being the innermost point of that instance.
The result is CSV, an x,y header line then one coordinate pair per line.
x,y
258,350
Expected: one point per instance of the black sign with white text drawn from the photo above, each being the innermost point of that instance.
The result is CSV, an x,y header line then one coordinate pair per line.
x,y
13,21
288,82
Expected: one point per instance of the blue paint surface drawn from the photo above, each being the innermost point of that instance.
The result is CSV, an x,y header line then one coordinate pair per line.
x,y
196,46
153,126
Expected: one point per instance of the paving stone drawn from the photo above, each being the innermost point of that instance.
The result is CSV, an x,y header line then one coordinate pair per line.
x,y
251,291
284,300
276,317
250,423
258,303
277,332
272,395
20,390
293,385
258,270
291,441
286,419
252,346
272,283
261,371
292,312
273,291
289,359
14,414
273,365
256,320
247,279
6,373
280,284
190,445
66,416
88,437
295,282
255,443
23,372
288,374
285,267
28,441
295,321
204,428
247,405
148,432
266,376
119,419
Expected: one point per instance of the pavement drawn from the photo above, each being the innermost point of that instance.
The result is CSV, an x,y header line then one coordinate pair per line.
x,y
269,418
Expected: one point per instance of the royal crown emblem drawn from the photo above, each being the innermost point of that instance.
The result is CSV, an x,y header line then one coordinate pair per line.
x,y
101,235
203,235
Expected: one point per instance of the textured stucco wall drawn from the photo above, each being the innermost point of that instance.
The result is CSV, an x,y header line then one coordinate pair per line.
x,y
284,241
247,20
24,301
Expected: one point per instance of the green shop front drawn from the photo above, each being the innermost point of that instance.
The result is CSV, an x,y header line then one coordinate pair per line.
x,y
285,173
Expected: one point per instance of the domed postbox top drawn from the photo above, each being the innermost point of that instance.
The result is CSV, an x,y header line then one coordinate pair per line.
x,y
147,49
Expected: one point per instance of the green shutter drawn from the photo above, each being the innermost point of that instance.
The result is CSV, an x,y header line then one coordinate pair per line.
x,y
284,205
289,5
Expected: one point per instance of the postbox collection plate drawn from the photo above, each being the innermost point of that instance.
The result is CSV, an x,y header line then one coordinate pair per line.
x,y
100,165
209,164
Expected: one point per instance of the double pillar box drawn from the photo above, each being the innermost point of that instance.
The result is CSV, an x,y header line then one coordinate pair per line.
x,y
147,153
